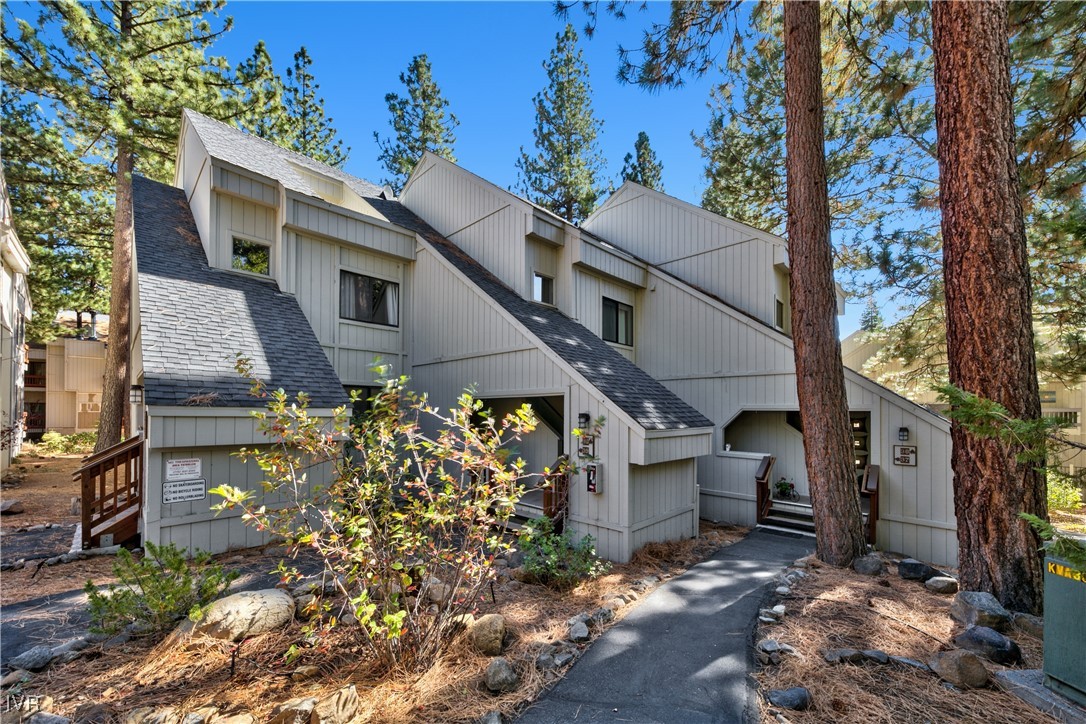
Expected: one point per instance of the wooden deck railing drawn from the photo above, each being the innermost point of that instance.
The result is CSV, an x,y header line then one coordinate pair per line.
x,y
556,493
761,484
111,483
869,488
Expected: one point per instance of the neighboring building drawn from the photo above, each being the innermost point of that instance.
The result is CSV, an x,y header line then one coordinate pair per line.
x,y
64,381
14,315
665,319
1059,401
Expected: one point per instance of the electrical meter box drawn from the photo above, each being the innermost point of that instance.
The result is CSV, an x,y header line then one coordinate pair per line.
x,y
594,478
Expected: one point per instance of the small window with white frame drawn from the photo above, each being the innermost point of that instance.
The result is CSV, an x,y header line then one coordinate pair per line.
x,y
778,313
251,256
368,299
543,288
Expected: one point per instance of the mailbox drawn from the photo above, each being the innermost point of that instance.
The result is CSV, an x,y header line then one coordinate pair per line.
x,y
594,478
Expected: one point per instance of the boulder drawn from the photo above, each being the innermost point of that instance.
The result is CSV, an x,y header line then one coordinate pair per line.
x,y
339,707
12,507
578,632
46,717
910,663
487,634
941,584
979,608
13,677
843,656
1029,624
959,667
500,675
913,570
33,659
247,614
869,565
294,711
796,698
990,644
879,657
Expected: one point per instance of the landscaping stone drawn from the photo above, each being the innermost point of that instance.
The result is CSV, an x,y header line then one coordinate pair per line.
x,y
243,718
12,506
15,676
578,632
990,644
601,616
152,715
769,645
879,657
33,659
95,714
338,707
246,614
961,668
941,584
910,663
979,608
294,711
47,717
842,656
200,715
563,658
1029,624
491,717
70,646
913,570
869,565
500,675
783,591
303,673
797,698
779,610
487,634
544,662
768,614
767,619
305,604
462,621
579,618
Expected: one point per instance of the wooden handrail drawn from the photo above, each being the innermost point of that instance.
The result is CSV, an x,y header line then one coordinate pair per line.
x,y
111,483
870,488
761,484
556,493
109,452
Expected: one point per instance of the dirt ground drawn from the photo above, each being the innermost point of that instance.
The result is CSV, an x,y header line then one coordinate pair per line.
x,y
46,492
835,608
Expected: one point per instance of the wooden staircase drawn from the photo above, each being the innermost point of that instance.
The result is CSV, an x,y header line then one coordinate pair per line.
x,y
111,482
549,499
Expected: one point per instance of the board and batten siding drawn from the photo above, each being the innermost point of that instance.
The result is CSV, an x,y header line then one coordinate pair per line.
x,y
589,291
212,436
194,176
248,220
735,364
663,502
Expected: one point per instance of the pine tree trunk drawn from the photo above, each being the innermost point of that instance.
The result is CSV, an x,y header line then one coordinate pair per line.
x,y
986,274
820,378
111,424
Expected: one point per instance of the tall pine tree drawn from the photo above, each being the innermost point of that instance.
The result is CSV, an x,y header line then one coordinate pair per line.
x,y
419,122
309,130
563,172
116,76
261,92
641,166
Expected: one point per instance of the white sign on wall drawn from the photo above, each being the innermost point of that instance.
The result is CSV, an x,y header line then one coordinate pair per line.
x,y
905,455
183,469
182,491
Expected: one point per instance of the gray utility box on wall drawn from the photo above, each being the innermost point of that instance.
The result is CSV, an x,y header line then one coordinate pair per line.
x,y
1065,630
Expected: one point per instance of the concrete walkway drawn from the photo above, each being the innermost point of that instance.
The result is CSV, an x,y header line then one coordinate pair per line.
x,y
684,654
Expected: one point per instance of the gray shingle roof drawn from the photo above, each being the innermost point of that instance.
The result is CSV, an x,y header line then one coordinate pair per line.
x,y
195,319
633,390
233,145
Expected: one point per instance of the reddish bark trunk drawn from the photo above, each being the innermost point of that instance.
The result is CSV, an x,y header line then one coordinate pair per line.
x,y
986,273
820,378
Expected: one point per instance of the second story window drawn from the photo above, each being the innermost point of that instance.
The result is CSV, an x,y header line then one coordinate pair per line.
x,y
542,288
617,322
251,256
366,299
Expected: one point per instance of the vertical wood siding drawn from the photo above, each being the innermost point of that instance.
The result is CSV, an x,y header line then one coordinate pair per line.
x,y
237,217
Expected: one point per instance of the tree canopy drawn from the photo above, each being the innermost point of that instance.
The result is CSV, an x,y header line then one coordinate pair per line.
x,y
642,166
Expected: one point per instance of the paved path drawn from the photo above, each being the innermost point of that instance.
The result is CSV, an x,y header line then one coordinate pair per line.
x,y
684,654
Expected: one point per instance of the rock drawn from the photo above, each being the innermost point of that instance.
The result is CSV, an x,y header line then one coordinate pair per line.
x,y
491,717
15,676
438,593
500,675
94,714
243,718
779,610
338,707
578,632
544,662
796,698
35,528
869,565
563,658
990,644
601,616
767,619
1029,624
961,668
913,570
941,584
246,614
579,618
305,604
152,715
615,603
294,711
783,591
46,717
463,621
843,656
879,657
303,673
200,715
72,645
768,614
487,633
12,507
978,608
277,551
33,659
910,663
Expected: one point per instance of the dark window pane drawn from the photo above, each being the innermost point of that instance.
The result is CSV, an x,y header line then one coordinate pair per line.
x,y
610,320
543,289
365,299
251,257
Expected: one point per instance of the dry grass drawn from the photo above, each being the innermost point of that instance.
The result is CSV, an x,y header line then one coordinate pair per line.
x,y
46,492
140,674
1071,522
835,608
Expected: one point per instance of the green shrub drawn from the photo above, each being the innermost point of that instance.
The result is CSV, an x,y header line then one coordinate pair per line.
x,y
1064,493
554,559
408,520
55,443
157,590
